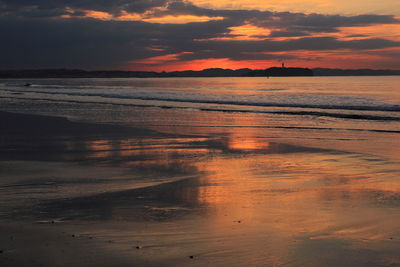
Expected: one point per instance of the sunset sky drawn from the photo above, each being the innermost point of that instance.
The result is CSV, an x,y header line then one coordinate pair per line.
x,y
196,34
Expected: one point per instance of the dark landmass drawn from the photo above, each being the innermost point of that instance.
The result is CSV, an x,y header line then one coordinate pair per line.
x,y
355,72
287,72
213,72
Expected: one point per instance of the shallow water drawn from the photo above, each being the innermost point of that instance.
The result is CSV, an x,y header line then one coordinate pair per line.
x,y
263,184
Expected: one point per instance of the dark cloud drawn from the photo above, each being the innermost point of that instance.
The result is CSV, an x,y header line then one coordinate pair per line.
x,y
318,20
51,8
255,50
294,23
73,43
287,33
34,35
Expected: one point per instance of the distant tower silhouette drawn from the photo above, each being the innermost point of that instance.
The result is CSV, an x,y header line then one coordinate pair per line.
x,y
283,65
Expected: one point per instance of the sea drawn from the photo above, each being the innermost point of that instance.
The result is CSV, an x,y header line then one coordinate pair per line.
x,y
348,103
295,107
306,168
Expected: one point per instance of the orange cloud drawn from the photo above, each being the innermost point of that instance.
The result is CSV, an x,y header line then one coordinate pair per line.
x,y
147,17
249,30
384,31
180,19
129,16
157,62
246,32
389,7
98,15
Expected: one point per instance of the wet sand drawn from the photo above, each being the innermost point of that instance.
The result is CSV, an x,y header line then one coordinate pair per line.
x,y
80,194
61,188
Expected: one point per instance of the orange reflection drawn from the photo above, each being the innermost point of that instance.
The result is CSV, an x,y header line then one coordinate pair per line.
x,y
139,151
296,194
291,190
270,191
99,149
247,143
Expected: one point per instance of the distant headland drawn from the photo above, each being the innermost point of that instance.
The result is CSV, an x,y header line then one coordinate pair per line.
x,y
212,72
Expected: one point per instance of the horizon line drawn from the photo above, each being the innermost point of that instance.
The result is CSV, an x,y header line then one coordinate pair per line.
x,y
122,70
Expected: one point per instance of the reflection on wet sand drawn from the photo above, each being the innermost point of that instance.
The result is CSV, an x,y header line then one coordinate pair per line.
x,y
246,143
236,199
239,175
288,200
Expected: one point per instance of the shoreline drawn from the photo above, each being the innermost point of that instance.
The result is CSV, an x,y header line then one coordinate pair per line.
x,y
20,123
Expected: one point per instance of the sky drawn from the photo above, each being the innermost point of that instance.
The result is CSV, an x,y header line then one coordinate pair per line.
x,y
168,35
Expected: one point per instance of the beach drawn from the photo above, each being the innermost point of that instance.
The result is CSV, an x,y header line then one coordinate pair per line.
x,y
99,172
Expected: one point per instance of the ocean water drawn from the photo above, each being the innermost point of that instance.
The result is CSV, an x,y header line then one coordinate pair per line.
x,y
310,109
300,171
372,99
